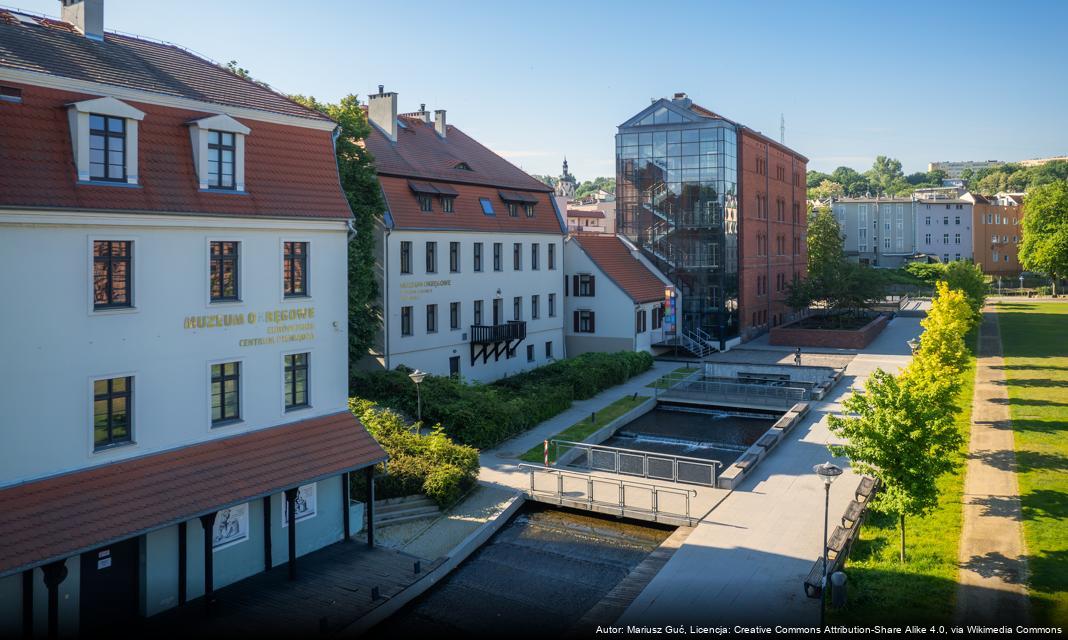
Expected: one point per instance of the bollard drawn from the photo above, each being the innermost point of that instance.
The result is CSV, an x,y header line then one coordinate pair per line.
x,y
838,589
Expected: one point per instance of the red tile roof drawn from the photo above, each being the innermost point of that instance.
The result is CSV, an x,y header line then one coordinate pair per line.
x,y
54,47
58,517
289,171
578,213
617,262
422,157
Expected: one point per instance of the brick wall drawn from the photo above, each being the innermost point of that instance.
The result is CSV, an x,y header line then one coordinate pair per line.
x,y
790,335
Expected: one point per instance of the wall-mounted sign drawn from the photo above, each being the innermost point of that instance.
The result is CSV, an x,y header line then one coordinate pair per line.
x,y
305,504
669,311
282,325
231,527
414,290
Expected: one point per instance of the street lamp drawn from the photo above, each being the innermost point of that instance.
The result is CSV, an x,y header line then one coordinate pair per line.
x,y
828,473
913,345
417,377
1021,284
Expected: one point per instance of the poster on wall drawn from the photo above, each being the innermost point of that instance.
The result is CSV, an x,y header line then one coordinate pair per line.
x,y
231,527
305,504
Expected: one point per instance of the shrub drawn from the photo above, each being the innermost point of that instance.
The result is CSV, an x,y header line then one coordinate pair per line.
x,y
927,272
483,415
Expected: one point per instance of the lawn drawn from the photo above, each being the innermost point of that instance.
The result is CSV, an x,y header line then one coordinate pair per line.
x,y
583,428
922,591
663,382
1035,345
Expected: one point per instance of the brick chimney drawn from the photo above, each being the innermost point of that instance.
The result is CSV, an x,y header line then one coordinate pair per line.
x,y
439,122
382,112
87,16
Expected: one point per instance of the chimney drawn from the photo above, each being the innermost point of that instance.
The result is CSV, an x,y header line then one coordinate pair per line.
x,y
382,112
423,113
87,16
439,122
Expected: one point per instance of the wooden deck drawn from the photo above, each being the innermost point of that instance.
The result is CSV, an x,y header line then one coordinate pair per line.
x,y
333,589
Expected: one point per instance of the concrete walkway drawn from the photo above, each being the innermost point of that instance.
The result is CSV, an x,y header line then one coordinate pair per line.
x,y
993,565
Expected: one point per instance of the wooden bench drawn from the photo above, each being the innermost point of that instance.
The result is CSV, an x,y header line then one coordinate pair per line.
x,y
814,580
746,461
838,543
865,489
768,440
853,513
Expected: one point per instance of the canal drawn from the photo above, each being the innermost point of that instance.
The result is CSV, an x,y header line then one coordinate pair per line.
x,y
538,575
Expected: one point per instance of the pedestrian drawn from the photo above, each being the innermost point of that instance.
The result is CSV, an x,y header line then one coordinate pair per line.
x,y
797,357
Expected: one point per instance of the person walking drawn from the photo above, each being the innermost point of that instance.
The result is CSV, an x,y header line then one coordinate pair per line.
x,y
797,357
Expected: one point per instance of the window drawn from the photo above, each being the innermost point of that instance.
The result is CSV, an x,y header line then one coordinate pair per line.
x,y
447,203
927,238
426,202
548,349
945,219
552,305
535,311
111,412
517,308
584,285
584,321
478,256
294,269
225,392
112,276
956,238
552,256
10,94
406,256
220,160
223,271
478,312
530,353
886,243
406,321
431,257
529,208
454,366
945,238
487,206
454,315
956,219
432,318
639,321
513,210
497,250
927,221
535,256
454,257
956,257
658,317
517,256
296,380
107,148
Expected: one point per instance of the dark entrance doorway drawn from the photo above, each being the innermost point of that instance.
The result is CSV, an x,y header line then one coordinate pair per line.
x,y
110,586
454,366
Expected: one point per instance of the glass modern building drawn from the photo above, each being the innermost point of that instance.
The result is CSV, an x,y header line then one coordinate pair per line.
x,y
677,199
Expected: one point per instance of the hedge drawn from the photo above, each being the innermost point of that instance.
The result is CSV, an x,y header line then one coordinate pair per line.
x,y
484,415
429,464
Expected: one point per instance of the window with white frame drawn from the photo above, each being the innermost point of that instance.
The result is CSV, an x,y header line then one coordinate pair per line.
x,y
103,135
219,152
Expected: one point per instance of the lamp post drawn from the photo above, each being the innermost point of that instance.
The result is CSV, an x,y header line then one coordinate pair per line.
x,y
1021,284
913,345
417,377
828,473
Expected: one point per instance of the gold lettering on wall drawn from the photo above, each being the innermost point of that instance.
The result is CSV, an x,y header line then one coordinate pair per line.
x,y
284,325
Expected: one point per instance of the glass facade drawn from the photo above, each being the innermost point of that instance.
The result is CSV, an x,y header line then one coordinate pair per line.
x,y
676,198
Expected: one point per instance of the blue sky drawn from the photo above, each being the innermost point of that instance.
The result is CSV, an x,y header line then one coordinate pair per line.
x,y
535,82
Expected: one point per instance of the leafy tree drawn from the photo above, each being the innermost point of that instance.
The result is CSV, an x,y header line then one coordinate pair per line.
x,y
968,279
853,183
814,178
929,272
886,175
826,189
1014,177
360,185
549,180
825,242
1045,231
942,351
592,186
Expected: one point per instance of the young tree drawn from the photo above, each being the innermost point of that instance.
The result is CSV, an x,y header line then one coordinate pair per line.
x,y
886,175
901,431
943,354
360,185
1045,231
967,278
825,242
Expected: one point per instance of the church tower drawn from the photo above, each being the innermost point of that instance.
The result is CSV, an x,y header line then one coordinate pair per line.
x,y
565,186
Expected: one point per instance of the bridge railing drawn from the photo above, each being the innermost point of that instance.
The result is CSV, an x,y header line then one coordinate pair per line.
x,y
642,464
764,394
596,493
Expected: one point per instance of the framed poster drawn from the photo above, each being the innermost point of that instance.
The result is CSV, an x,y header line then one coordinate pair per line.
x,y
231,527
305,504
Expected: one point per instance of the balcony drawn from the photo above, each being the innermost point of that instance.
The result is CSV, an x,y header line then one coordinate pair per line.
x,y
496,340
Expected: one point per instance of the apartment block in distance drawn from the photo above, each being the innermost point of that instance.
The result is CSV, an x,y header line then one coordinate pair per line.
x,y
879,231
997,231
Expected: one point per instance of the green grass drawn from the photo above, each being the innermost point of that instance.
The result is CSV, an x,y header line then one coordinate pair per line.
x,y
583,428
1035,346
663,382
923,590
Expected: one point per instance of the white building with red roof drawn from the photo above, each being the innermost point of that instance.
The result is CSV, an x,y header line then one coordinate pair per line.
x,y
174,238
615,299
470,252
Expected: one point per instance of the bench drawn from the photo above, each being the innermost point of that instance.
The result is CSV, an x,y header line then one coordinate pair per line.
x,y
814,580
865,489
838,543
853,513
746,461
768,440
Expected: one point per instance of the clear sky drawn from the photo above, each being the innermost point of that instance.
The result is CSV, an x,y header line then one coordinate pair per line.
x,y
918,81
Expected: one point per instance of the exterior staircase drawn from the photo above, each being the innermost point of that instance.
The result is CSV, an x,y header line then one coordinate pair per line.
x,y
398,510
696,342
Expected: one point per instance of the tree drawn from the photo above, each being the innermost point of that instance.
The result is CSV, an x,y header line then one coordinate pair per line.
x,y
549,180
592,186
901,431
854,184
1045,231
825,242
929,272
886,175
814,178
825,189
360,184
942,354
968,279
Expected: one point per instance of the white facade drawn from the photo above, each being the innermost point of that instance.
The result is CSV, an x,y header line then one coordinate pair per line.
x,y
944,229
445,347
57,345
615,314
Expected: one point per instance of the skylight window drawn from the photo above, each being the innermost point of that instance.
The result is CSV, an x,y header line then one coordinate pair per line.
x,y
487,206
463,166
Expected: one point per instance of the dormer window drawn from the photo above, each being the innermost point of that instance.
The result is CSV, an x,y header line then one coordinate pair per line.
x,y
447,203
425,192
221,160
513,210
426,203
219,152
463,166
104,140
529,208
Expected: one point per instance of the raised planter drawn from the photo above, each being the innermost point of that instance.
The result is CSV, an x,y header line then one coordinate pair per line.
x,y
795,336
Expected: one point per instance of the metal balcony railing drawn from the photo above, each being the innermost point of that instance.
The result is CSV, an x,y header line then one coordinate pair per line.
x,y
490,334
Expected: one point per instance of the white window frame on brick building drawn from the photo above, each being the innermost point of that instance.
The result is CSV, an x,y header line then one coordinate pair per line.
x,y
199,131
78,114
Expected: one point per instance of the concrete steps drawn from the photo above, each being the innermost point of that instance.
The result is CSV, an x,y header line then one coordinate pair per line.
x,y
398,510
